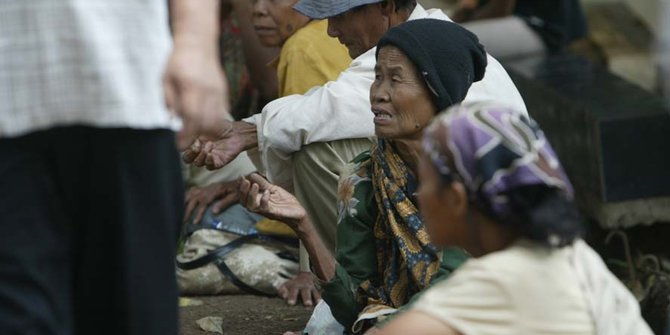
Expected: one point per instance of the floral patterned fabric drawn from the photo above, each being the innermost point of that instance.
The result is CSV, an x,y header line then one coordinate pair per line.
x,y
405,257
383,254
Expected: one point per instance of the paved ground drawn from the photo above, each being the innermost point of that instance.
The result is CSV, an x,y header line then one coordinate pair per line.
x,y
244,315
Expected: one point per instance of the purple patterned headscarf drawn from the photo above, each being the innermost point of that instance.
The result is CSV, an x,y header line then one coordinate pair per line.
x,y
493,150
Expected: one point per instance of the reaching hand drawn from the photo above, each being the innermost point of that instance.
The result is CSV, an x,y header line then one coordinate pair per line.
x,y
196,90
216,152
259,196
302,285
219,195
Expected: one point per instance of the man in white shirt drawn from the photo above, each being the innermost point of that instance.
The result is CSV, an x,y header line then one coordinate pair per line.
x,y
304,140
90,183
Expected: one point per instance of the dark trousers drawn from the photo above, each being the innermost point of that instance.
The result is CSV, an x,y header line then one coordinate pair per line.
x,y
88,228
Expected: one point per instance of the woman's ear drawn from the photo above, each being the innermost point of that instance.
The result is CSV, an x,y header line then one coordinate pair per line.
x,y
457,199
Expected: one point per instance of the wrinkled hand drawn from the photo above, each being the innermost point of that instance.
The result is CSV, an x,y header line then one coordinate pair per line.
x,y
219,195
215,152
302,285
272,201
196,90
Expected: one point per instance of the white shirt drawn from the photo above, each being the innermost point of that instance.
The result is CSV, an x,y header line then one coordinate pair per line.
x,y
524,289
528,289
341,109
86,62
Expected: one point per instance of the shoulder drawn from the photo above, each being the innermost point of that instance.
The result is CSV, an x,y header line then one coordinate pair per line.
x,y
460,300
312,38
497,272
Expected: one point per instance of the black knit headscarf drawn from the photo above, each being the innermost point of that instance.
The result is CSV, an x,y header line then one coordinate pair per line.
x,y
448,56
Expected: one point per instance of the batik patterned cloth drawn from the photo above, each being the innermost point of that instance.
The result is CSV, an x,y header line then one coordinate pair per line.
x,y
353,294
493,150
406,259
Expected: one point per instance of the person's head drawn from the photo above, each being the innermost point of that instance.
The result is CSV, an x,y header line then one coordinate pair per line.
x,y
423,66
496,163
358,24
275,21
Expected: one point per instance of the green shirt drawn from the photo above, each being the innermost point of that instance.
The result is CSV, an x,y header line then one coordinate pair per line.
x,y
355,251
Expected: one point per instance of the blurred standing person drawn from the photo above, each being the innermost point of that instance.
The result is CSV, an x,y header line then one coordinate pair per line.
x,y
90,185
517,28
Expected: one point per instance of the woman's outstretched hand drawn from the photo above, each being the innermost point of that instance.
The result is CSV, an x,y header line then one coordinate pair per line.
x,y
260,196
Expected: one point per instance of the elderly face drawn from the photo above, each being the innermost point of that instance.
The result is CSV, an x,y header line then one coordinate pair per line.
x,y
401,102
275,21
359,29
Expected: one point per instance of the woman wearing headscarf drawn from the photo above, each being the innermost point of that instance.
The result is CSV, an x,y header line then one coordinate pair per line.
x,y
491,183
383,255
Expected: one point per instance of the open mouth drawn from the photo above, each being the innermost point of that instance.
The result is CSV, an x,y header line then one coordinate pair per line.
x,y
381,115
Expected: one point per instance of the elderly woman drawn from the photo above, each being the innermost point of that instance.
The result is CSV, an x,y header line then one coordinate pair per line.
x,y
491,183
308,56
383,255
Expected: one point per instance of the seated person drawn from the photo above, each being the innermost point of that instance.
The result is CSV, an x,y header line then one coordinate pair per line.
x,y
383,255
304,141
491,183
308,58
516,28
244,58
251,83
211,197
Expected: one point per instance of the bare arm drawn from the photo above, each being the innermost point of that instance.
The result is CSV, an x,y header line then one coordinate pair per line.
x,y
216,152
195,22
194,82
258,195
